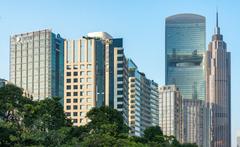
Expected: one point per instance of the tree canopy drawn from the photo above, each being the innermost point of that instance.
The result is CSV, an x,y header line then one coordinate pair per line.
x,y
24,122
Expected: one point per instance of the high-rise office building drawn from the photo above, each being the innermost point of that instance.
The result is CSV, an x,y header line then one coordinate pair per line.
x,y
36,63
219,90
95,75
184,58
170,111
184,50
143,101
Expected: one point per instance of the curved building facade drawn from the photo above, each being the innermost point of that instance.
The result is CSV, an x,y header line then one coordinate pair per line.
x,y
184,50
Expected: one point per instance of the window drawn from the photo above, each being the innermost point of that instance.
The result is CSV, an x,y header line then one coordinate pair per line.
x,y
82,100
74,120
82,107
68,93
68,114
89,86
89,66
120,99
81,66
81,93
120,78
68,100
75,73
89,73
81,86
75,107
120,58
75,94
75,113
75,67
120,51
68,73
68,107
75,80
119,65
68,87
81,73
119,72
119,92
81,79
75,87
75,100
89,93
89,100
68,80
89,107
82,114
68,66
120,85
89,79
81,120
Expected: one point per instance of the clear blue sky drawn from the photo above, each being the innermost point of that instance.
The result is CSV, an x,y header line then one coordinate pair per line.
x,y
139,22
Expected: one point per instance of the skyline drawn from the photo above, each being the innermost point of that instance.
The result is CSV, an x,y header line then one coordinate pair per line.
x,y
152,38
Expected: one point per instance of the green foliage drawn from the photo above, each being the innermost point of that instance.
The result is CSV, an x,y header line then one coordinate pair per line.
x,y
24,122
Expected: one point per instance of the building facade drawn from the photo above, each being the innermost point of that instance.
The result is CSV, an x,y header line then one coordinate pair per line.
x,y
194,122
95,75
219,90
185,41
184,50
36,63
3,82
170,111
238,141
143,101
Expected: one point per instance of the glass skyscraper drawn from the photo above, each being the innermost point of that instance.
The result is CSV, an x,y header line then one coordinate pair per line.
x,y
36,63
184,50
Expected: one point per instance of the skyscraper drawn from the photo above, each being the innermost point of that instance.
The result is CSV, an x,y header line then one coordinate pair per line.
x,y
184,50
219,89
143,101
184,59
95,75
170,111
36,63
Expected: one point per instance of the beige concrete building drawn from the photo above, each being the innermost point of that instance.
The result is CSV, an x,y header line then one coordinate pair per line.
x,y
170,111
95,75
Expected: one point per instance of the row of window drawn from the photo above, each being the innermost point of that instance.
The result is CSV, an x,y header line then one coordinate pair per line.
x,y
81,107
75,80
88,86
89,66
81,93
75,87
81,100
83,114
81,73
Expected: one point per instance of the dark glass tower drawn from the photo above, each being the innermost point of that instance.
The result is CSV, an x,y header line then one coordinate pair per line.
x,y
184,49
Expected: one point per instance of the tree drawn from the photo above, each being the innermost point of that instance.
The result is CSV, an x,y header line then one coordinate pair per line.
x,y
106,120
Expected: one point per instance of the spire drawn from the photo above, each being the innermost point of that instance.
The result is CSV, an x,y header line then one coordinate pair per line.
x,y
217,29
